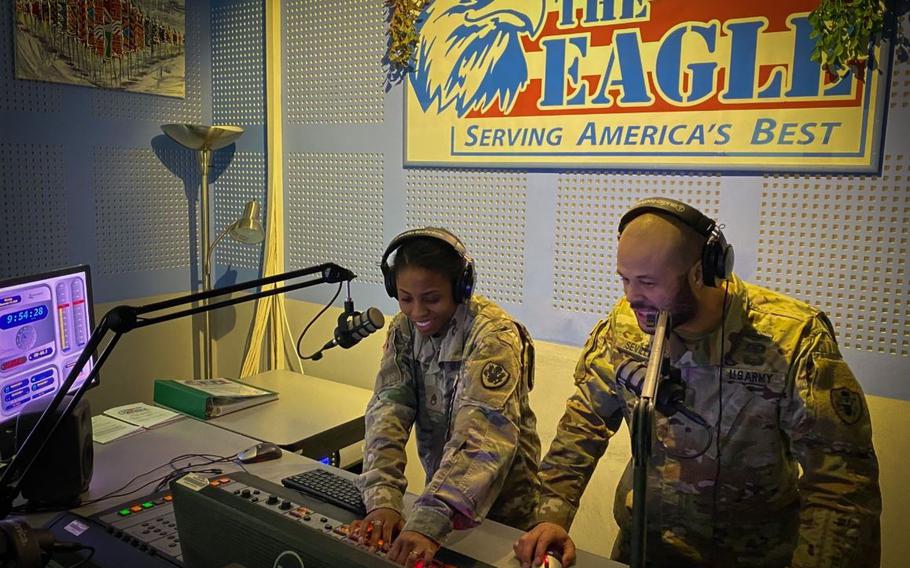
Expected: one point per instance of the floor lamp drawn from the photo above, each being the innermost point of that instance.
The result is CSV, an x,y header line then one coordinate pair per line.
x,y
205,140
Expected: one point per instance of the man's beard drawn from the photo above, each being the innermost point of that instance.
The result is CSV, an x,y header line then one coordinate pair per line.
x,y
682,309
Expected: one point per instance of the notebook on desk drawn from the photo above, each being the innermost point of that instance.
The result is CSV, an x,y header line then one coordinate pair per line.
x,y
209,398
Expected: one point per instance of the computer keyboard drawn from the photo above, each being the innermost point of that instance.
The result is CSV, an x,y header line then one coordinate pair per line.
x,y
329,487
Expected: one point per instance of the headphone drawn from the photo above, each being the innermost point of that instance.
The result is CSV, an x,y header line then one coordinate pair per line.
x,y
716,255
464,283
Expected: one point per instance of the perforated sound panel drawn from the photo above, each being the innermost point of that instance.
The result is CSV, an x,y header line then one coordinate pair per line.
x,y
487,212
588,210
842,244
141,213
23,96
238,62
34,232
334,61
335,211
142,106
242,180
900,88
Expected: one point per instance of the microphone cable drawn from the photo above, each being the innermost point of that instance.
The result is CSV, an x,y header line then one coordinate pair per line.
x,y
318,354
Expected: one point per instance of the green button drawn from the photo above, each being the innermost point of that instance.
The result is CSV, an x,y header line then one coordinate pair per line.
x,y
148,505
123,512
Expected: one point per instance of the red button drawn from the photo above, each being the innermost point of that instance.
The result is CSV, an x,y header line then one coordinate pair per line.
x,y
12,363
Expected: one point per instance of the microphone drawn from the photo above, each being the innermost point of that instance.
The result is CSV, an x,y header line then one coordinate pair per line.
x,y
24,547
631,375
354,326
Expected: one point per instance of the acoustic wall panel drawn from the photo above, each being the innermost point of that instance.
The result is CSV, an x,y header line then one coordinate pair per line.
x,y
141,216
141,106
900,88
22,96
334,61
238,62
335,211
588,210
842,244
34,234
242,180
486,209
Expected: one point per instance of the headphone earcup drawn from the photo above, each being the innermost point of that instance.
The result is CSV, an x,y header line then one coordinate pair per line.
x,y
388,277
716,260
709,264
465,285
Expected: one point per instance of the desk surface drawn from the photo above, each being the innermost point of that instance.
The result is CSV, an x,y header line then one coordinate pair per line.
x,y
120,461
312,415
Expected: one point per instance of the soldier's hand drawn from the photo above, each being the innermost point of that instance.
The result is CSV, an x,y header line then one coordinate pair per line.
x,y
412,549
531,549
378,528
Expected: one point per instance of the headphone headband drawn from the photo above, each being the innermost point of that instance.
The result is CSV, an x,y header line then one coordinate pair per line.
x,y
716,254
463,286
689,215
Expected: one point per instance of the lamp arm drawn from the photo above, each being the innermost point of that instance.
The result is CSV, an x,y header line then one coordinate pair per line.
x,y
123,319
207,268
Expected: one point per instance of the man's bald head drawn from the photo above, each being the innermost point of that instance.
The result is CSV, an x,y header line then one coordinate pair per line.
x,y
665,239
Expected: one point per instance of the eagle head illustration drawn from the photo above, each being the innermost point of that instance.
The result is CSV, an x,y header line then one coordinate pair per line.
x,y
469,53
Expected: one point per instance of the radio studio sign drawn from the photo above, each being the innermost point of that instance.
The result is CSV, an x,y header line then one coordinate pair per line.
x,y
702,84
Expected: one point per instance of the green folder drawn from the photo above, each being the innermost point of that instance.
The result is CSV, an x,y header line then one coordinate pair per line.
x,y
194,402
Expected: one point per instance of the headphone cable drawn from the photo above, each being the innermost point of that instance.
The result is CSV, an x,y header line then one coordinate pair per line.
x,y
720,415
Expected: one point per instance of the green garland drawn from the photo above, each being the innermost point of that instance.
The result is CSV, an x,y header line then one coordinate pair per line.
x,y
847,32
402,35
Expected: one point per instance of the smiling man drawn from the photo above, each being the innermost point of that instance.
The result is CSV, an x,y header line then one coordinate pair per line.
x,y
777,466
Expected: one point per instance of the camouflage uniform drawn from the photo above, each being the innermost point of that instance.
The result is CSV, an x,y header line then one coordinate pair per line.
x,y
467,393
785,397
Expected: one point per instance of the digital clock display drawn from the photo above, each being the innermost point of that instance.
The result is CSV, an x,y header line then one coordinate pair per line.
x,y
22,317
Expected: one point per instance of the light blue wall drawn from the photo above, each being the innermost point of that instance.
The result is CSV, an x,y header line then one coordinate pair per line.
x,y
95,163
543,241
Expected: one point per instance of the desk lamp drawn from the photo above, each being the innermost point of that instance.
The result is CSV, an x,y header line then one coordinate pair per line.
x,y
205,140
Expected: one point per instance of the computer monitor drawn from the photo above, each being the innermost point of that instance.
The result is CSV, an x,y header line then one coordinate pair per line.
x,y
45,322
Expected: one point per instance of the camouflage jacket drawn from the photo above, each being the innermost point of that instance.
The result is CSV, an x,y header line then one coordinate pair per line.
x,y
466,392
781,398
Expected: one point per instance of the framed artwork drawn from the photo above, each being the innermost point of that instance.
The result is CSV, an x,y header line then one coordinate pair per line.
x,y
128,45
635,84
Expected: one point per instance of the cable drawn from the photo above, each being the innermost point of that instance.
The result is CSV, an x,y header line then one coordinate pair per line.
x,y
720,416
91,553
290,335
170,463
318,354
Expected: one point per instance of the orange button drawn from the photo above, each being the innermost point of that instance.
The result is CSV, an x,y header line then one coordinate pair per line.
x,y
168,497
136,508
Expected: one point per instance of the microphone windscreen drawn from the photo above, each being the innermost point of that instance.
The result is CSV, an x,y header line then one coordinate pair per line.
x,y
375,317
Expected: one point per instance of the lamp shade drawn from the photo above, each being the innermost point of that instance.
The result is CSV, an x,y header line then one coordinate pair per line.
x,y
248,229
199,137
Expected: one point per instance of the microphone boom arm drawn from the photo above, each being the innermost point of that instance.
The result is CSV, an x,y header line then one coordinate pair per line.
x,y
123,319
642,430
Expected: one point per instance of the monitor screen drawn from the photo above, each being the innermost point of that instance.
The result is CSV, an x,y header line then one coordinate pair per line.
x,y
45,322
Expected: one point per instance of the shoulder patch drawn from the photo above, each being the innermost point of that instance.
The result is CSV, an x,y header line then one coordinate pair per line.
x,y
494,375
847,404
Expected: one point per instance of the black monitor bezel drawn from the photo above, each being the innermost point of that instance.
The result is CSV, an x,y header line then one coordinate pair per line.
x,y
78,268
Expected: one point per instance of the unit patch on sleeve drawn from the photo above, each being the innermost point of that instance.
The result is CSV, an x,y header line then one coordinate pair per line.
x,y
847,404
493,375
